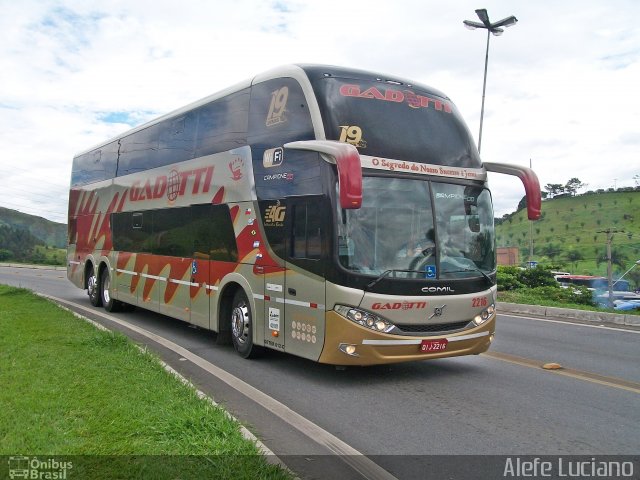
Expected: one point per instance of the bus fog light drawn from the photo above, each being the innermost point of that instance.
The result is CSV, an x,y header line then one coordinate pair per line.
x,y
349,349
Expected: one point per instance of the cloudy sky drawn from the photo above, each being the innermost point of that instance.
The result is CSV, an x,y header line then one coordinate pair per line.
x,y
563,86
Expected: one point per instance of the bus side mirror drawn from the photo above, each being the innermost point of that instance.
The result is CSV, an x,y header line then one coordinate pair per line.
x,y
347,159
530,181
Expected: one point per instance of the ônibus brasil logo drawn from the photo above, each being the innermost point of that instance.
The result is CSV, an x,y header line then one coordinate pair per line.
x,y
173,186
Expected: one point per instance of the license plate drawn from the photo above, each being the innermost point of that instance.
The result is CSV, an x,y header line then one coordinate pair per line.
x,y
434,345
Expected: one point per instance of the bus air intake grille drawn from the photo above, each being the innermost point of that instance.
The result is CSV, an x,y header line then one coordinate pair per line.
x,y
436,327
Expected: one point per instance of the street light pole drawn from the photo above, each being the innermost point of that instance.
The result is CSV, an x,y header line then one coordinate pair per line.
x,y
492,28
484,89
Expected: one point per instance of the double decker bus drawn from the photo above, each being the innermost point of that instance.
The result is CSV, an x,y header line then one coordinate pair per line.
x,y
338,215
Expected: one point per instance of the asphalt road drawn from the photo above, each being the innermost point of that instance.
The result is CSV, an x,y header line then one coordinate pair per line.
x,y
499,403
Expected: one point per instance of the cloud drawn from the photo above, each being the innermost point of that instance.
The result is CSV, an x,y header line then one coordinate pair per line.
x,y
561,86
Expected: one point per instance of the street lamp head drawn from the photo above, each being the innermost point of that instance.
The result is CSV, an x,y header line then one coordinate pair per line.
x,y
472,25
494,28
506,22
484,17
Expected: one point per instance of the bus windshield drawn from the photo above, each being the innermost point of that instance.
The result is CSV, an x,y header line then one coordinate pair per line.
x,y
418,229
396,121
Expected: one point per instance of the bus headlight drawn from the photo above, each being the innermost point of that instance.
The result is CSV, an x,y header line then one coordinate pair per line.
x,y
364,318
485,315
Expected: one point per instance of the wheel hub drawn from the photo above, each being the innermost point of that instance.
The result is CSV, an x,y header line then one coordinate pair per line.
x,y
92,285
240,323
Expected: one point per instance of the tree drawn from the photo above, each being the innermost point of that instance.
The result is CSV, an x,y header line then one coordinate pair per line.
x,y
574,256
573,185
550,250
554,189
618,258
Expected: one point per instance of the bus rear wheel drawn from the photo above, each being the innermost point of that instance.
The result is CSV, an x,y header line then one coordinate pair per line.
x,y
242,326
93,288
110,304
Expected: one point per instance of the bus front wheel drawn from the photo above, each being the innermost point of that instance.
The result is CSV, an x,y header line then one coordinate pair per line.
x,y
242,326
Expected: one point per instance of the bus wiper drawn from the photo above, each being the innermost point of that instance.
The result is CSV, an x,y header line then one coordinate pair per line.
x,y
477,270
387,272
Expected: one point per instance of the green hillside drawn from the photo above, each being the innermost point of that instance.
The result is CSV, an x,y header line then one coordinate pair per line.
x,y
51,233
570,232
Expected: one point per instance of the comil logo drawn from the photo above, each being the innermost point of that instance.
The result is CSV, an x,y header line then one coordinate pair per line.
x,y
438,290
27,467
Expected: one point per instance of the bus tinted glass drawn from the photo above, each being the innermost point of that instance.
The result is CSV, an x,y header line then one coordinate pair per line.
x,y
97,165
395,121
202,231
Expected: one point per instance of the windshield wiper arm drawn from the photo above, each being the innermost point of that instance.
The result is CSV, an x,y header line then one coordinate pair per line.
x,y
487,277
386,273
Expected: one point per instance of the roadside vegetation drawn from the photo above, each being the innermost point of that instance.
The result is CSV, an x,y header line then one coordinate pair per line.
x,y
69,388
20,246
536,286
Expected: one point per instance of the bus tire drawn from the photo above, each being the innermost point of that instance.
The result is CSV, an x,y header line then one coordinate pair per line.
x,y
93,287
242,326
109,303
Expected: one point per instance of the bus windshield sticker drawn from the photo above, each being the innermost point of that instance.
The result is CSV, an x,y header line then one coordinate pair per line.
x,y
278,107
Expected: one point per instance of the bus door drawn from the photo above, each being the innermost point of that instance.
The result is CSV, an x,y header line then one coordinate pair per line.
x,y
205,230
304,291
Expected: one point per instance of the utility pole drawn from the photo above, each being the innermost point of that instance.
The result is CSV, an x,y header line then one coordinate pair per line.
x,y
610,232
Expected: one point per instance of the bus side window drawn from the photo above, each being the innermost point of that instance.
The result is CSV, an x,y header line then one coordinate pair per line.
x,y
222,124
212,232
176,140
138,151
95,166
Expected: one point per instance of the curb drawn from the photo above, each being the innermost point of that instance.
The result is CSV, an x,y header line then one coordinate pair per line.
x,y
36,267
568,313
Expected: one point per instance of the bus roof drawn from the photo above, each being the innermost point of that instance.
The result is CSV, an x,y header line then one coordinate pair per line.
x,y
311,71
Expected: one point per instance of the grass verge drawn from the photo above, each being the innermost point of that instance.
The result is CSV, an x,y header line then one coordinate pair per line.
x,y
71,389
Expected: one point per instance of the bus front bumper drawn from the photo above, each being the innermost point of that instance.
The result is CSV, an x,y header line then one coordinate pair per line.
x,y
347,343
